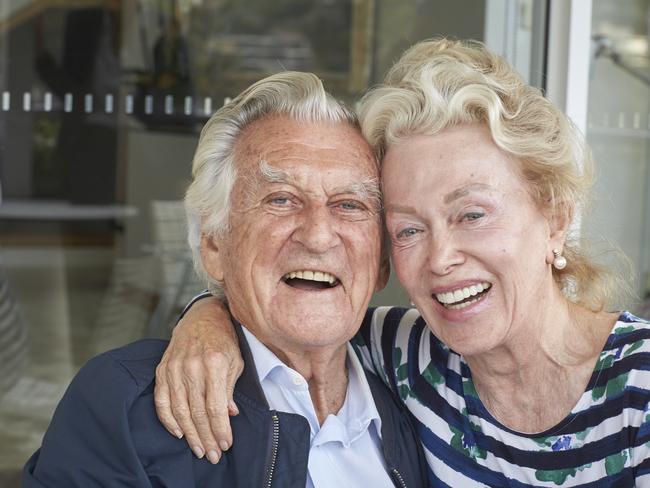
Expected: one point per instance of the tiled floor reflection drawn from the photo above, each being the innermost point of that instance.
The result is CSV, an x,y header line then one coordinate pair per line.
x,y
75,302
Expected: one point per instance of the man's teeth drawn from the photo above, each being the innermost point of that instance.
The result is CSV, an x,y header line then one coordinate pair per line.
x,y
312,275
451,298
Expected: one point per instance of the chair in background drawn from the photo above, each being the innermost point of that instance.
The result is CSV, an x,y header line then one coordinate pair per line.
x,y
127,305
178,282
13,339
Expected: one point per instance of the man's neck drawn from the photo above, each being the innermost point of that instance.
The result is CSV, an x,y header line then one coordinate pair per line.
x,y
324,368
326,373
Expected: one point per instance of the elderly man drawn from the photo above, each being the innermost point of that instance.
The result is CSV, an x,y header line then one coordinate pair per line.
x,y
285,224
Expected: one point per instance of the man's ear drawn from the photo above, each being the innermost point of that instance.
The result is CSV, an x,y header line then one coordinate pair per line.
x,y
384,273
384,262
212,256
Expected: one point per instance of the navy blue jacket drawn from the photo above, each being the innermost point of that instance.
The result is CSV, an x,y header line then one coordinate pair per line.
x,y
105,433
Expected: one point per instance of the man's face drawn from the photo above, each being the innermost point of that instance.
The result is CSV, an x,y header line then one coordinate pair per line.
x,y
302,257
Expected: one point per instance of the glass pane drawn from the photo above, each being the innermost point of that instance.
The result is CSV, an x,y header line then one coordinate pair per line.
x,y
101,104
619,132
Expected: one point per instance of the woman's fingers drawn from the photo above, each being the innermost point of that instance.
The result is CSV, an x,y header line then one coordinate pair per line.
x,y
196,377
197,407
199,422
179,397
162,400
217,407
183,415
235,371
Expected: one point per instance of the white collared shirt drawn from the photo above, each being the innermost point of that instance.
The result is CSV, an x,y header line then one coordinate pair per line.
x,y
346,450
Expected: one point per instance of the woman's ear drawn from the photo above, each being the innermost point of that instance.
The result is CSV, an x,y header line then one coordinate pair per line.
x,y
559,226
212,256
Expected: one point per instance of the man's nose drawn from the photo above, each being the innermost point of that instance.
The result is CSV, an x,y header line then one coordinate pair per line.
x,y
444,254
317,230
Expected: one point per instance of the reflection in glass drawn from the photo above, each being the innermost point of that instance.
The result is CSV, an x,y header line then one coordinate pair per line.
x,y
619,133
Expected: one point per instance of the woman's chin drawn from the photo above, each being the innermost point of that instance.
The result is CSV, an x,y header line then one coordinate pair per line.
x,y
466,330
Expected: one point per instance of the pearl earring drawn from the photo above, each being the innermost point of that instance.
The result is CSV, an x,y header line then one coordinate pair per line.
x,y
559,261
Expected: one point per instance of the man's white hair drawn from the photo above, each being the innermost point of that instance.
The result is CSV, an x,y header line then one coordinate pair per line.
x,y
300,96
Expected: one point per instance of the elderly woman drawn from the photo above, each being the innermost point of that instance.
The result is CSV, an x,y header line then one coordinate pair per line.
x,y
512,369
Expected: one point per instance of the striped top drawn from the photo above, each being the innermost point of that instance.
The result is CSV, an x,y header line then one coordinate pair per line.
x,y
603,442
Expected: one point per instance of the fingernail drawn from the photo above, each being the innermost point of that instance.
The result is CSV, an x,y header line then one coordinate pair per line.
x,y
224,445
213,457
198,451
233,408
178,434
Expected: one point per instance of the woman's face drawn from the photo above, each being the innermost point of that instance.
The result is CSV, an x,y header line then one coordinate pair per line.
x,y
468,243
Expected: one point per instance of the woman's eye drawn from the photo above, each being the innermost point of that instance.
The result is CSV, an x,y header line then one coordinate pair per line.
x,y
406,233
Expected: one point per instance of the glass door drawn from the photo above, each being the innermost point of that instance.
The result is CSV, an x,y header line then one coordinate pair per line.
x,y
618,131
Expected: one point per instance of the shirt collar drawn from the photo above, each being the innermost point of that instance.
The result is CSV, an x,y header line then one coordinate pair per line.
x,y
358,410
265,360
359,407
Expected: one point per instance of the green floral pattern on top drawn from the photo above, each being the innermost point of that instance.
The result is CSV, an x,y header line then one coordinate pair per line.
x,y
603,442
558,476
401,375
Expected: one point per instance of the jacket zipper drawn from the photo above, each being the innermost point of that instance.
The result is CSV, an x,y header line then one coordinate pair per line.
x,y
274,447
399,478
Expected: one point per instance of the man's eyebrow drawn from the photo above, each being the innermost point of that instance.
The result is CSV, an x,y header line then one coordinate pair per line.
x,y
366,189
254,179
465,190
271,174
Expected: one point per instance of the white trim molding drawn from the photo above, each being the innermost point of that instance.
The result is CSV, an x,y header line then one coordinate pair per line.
x,y
569,57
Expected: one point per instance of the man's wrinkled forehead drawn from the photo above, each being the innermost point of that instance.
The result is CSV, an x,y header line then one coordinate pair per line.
x,y
265,140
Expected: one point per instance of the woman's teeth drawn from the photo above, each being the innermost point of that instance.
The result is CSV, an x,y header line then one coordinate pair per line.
x,y
312,276
457,299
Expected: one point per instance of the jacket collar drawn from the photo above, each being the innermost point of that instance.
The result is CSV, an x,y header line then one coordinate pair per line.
x,y
387,406
248,383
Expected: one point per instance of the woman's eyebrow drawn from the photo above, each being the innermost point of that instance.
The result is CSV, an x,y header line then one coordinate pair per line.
x,y
405,209
450,197
465,190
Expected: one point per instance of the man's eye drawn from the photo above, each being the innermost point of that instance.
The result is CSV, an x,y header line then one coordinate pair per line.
x,y
347,205
472,216
406,233
279,200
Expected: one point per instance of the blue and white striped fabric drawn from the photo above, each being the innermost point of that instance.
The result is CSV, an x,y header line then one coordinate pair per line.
x,y
603,442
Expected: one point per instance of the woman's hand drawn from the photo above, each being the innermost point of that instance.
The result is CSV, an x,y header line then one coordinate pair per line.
x,y
196,378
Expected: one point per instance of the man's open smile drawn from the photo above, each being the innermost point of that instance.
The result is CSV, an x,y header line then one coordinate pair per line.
x,y
311,280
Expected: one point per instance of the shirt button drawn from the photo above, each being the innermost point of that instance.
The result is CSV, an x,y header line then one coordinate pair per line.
x,y
297,381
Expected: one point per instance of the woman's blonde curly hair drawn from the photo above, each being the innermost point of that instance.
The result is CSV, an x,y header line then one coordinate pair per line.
x,y
438,84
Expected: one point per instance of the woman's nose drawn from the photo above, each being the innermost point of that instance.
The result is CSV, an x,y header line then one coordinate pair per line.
x,y
443,253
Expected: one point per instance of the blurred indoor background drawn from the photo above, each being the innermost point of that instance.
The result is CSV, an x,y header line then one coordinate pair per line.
x,y
101,103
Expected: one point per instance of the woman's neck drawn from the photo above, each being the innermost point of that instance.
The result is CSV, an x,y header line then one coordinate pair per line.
x,y
533,380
